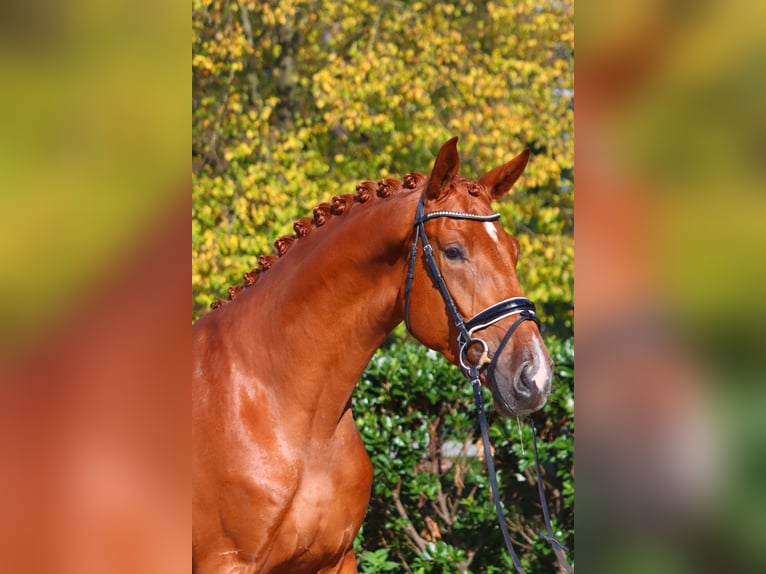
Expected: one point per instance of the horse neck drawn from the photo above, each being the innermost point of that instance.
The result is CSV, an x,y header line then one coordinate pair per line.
x,y
318,315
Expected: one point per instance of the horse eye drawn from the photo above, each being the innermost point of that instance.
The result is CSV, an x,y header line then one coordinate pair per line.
x,y
453,253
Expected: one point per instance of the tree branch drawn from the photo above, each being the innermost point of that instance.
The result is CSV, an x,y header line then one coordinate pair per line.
x,y
418,540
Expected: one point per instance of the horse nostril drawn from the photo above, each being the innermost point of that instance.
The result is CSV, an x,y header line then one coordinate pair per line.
x,y
525,383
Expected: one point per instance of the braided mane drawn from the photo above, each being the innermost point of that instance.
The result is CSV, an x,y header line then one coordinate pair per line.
x,y
322,213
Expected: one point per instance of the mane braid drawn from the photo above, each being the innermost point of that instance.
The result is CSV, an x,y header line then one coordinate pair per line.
x,y
322,213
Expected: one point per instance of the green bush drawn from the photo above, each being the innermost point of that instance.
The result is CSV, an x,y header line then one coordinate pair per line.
x,y
431,508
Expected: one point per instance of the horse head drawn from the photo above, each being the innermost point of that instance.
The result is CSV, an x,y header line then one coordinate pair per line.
x,y
477,260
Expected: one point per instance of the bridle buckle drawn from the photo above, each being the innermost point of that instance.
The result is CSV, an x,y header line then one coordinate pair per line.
x,y
484,359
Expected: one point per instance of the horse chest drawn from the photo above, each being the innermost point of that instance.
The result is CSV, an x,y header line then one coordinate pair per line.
x,y
322,519
313,514
331,497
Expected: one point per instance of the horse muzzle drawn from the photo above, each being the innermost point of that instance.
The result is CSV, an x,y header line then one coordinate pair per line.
x,y
523,390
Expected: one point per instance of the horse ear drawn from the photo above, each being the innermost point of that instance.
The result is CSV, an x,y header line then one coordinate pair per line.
x,y
445,168
501,179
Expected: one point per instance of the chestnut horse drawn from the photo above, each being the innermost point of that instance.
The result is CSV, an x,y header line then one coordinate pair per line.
x,y
280,475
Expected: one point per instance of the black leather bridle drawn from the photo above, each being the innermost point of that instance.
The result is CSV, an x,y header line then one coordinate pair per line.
x,y
520,306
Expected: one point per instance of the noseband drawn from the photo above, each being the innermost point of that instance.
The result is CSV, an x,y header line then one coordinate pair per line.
x,y
520,306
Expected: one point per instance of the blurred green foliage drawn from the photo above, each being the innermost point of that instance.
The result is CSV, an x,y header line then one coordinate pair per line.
x,y
431,508
296,101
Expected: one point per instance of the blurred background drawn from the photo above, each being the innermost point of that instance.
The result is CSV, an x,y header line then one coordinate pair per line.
x,y
670,242
94,239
